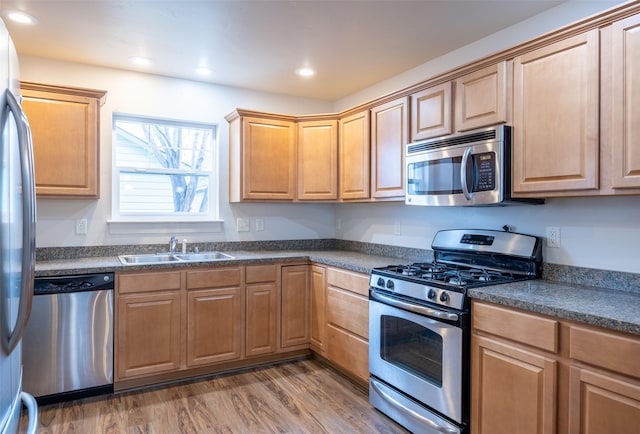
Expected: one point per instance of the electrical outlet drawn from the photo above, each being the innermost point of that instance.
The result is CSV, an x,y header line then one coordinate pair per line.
x,y
338,224
553,237
259,224
242,224
397,228
81,227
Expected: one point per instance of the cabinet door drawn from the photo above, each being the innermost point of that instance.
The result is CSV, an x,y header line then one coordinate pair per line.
x,y
64,128
431,112
354,156
295,306
262,319
268,159
626,102
215,325
513,390
556,117
602,404
148,334
318,305
389,136
318,160
348,351
481,98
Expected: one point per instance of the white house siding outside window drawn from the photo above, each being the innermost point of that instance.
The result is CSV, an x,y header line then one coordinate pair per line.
x,y
164,170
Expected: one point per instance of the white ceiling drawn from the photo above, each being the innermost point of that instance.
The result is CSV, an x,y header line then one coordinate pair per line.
x,y
258,44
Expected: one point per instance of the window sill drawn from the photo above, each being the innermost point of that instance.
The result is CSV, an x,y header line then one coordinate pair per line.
x,y
160,227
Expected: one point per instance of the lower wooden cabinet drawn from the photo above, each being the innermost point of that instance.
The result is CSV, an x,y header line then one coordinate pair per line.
x,y
262,310
514,390
214,326
295,306
318,309
196,320
540,375
148,334
347,312
148,324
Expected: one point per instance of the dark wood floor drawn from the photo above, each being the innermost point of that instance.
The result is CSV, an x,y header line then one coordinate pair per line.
x,y
297,397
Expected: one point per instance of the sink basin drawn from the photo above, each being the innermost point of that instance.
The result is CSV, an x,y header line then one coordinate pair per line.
x,y
149,258
163,258
203,256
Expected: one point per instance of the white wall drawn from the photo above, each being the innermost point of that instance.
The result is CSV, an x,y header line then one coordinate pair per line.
x,y
151,95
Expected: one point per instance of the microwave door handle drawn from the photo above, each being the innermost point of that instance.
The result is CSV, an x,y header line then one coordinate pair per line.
x,y
463,173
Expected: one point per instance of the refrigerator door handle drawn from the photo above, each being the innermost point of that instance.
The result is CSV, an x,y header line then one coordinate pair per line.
x,y
11,340
32,410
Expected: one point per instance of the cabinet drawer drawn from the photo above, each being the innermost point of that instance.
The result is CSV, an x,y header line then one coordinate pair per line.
x,y
349,351
261,273
218,278
617,353
528,329
145,282
355,282
349,311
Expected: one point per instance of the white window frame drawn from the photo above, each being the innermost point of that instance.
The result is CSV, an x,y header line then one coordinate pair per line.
x,y
214,196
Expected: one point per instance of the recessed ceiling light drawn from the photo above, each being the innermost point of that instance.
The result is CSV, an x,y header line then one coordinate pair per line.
x,y
203,71
305,72
21,17
140,61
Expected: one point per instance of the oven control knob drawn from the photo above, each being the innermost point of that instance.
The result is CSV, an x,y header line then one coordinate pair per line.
x,y
431,294
390,284
381,282
444,297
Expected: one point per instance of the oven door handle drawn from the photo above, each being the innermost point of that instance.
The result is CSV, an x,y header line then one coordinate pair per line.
x,y
410,413
420,310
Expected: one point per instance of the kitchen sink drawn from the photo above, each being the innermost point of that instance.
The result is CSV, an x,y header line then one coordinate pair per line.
x,y
163,258
203,256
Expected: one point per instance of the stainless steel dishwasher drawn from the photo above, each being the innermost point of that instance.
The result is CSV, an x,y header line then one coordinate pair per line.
x,y
68,344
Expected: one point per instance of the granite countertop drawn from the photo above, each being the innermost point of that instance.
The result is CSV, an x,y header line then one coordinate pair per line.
x,y
609,308
612,309
354,261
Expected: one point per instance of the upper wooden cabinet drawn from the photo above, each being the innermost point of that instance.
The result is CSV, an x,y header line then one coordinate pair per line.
x,y
389,136
431,112
556,116
318,160
65,130
262,158
481,98
355,155
625,86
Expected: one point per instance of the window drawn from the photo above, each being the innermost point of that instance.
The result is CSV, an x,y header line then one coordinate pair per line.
x,y
164,170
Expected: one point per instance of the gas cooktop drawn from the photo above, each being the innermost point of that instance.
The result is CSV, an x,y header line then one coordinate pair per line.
x,y
463,258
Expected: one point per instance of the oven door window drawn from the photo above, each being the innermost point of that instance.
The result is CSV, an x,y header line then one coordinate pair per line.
x,y
412,347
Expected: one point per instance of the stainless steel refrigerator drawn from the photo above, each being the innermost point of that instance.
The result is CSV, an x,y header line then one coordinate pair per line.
x,y
17,242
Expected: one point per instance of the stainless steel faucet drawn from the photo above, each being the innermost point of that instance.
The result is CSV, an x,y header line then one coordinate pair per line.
x,y
173,243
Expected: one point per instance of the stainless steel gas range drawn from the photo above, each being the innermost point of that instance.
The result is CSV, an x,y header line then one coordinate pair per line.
x,y
419,324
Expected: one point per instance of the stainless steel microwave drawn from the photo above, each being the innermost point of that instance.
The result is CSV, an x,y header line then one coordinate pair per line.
x,y
471,168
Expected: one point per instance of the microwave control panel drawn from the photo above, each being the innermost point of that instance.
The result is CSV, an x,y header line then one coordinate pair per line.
x,y
485,164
